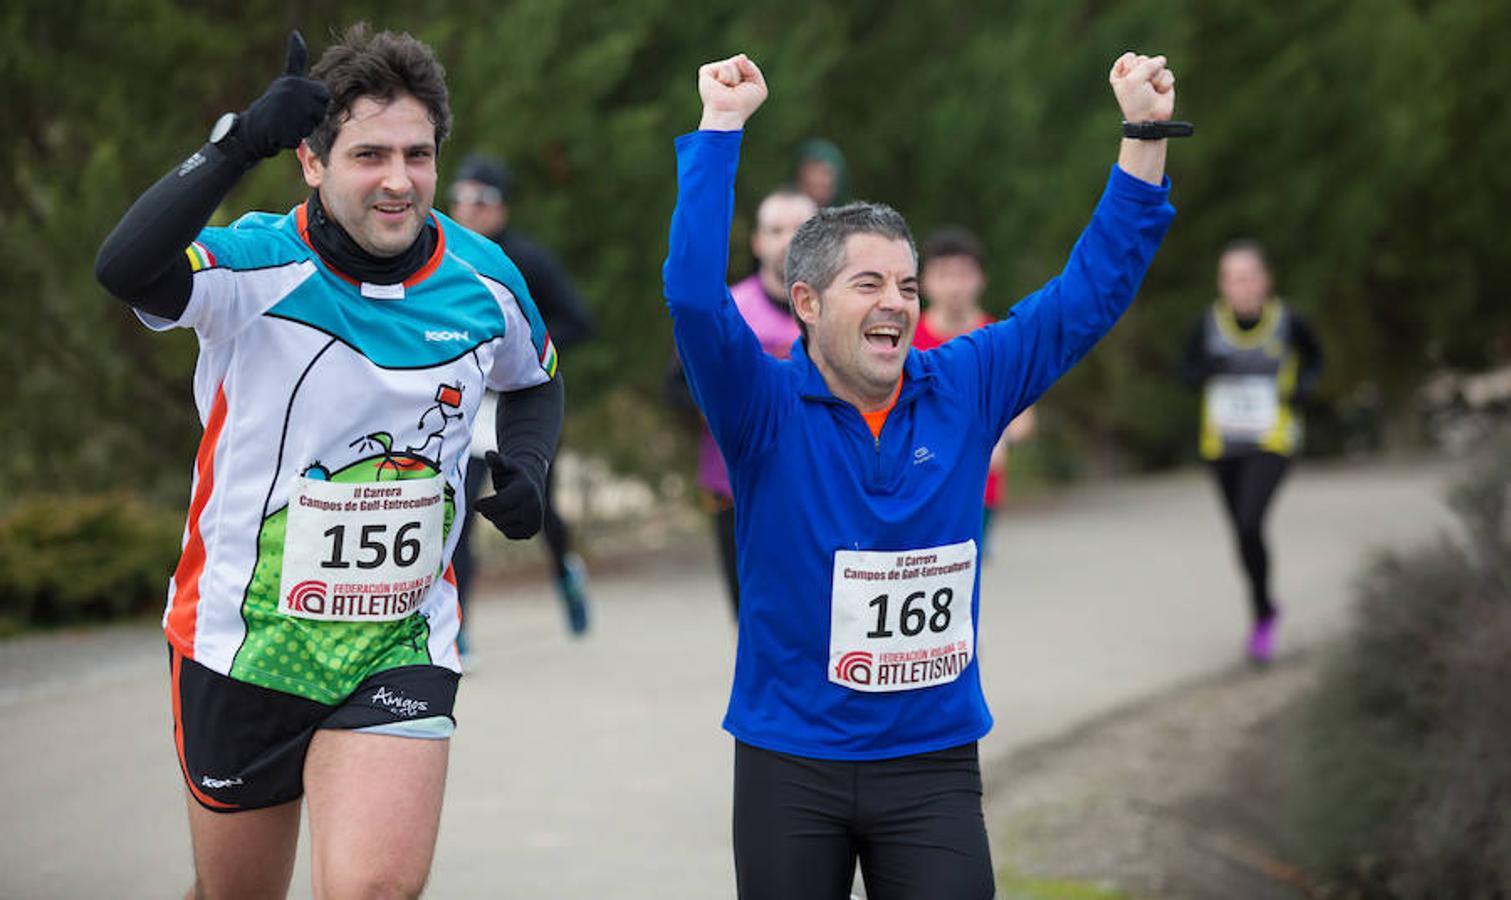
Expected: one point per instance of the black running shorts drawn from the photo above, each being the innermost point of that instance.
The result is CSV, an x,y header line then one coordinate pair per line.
x,y
241,746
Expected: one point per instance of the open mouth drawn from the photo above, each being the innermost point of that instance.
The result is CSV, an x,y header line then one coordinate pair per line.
x,y
391,209
884,337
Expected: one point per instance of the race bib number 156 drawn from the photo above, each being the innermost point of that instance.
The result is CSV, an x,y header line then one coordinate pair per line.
x,y
901,620
361,552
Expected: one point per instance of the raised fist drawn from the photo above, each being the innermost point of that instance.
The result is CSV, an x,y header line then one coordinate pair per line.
x,y
1145,89
732,89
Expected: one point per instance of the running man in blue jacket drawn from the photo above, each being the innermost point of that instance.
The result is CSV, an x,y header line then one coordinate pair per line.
x,y
858,469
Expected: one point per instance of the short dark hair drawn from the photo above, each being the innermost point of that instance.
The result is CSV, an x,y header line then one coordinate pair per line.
x,y
383,66
817,252
488,170
954,240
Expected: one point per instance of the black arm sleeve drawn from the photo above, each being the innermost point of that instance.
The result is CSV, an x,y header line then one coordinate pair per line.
x,y
142,261
529,426
1193,361
1309,355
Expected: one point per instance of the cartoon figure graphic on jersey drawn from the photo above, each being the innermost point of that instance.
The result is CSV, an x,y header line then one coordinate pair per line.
x,y
448,403
329,658
380,440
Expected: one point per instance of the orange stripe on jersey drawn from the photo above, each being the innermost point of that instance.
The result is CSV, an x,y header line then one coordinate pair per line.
x,y
449,576
178,738
436,255
183,612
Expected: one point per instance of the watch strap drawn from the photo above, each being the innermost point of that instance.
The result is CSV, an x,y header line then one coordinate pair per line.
x,y
1157,131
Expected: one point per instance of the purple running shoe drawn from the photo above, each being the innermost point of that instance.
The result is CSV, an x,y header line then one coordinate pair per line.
x,y
1262,639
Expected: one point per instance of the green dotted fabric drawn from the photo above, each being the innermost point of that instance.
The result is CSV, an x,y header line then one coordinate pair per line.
x,y
325,661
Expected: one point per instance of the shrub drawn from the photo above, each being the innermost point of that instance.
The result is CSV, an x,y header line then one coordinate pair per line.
x,y
1403,776
68,558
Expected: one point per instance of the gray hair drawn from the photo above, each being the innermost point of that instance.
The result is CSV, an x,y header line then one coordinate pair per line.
x,y
817,252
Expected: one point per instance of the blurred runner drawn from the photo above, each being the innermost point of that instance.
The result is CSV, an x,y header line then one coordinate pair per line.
x,y
480,199
954,278
821,172
344,350
1256,362
858,468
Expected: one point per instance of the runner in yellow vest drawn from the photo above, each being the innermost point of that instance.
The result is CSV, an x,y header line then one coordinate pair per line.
x,y
1255,360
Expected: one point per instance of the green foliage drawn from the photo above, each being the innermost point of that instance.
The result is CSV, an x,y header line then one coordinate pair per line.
x,y
1012,886
1403,782
103,97
68,558
1356,139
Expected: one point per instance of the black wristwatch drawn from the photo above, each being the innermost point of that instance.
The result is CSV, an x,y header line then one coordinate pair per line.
x,y
222,127
223,137
1157,131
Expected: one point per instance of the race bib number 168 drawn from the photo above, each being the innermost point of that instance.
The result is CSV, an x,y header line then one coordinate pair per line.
x,y
901,620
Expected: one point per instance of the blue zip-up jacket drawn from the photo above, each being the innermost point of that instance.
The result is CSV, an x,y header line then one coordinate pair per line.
x,y
810,480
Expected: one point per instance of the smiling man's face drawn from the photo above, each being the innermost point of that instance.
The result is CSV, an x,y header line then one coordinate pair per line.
x,y
380,179
861,326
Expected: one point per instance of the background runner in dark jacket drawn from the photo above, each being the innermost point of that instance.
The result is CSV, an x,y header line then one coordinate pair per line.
x,y
480,199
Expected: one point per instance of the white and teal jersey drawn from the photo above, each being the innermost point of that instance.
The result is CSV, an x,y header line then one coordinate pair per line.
x,y
314,389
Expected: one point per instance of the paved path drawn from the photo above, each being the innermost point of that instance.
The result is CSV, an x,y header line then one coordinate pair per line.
x,y
597,768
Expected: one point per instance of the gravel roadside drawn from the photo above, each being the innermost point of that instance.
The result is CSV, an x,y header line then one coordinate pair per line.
x,y
1175,797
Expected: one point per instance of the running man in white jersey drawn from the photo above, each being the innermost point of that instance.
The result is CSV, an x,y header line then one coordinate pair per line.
x,y
345,347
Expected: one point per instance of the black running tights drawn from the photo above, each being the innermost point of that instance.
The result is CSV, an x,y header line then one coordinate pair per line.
x,y
1248,483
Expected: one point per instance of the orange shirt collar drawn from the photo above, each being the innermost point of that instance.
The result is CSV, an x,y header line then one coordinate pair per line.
x,y
874,420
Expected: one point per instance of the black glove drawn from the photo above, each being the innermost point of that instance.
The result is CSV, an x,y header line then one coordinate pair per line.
x,y
518,507
286,112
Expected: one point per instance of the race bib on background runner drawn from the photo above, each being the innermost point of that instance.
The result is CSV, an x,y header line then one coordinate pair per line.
x,y
1245,406
364,552
900,620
